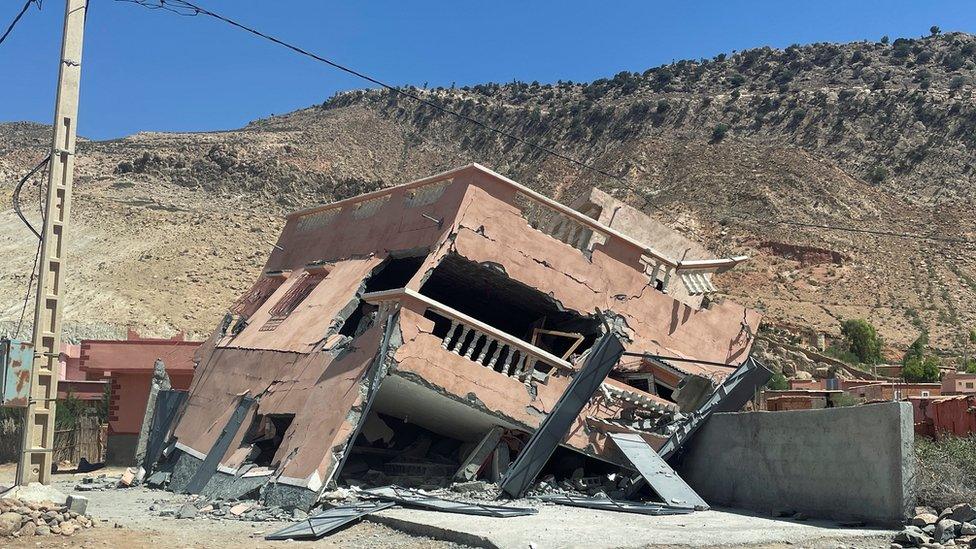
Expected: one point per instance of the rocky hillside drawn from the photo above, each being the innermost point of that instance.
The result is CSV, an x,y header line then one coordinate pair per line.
x,y
737,151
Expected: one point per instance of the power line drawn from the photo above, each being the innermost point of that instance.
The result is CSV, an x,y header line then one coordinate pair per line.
x,y
13,23
16,195
189,9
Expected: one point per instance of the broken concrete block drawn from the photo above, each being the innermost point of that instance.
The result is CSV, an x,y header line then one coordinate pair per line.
x,y
240,509
158,479
77,504
471,486
128,476
187,510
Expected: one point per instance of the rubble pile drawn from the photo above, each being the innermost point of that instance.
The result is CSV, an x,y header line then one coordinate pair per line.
x,y
954,526
97,484
613,485
21,519
231,509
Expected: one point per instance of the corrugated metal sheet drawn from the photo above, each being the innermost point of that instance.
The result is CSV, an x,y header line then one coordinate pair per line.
x,y
16,359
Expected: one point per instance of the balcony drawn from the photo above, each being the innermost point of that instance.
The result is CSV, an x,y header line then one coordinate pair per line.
x,y
479,342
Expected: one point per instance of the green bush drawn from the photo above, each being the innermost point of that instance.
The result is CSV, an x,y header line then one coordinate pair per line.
x,y
863,340
719,132
934,29
878,175
778,382
921,369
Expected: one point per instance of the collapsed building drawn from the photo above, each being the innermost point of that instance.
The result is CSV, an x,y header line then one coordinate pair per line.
x,y
423,332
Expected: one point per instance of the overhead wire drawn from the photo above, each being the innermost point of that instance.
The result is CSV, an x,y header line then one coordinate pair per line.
x,y
16,195
16,20
40,240
189,9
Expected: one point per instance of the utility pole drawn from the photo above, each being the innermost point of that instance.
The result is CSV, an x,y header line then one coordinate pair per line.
x,y
37,448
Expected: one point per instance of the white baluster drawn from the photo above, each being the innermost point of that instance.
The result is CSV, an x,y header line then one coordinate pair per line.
x,y
474,342
484,349
459,344
494,355
450,333
667,279
507,366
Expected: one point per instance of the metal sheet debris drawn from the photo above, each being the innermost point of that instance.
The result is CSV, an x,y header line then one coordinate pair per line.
x,y
16,359
737,389
662,478
607,504
317,526
603,357
414,498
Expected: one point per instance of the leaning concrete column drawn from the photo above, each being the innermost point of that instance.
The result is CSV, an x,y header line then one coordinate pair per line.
x,y
160,382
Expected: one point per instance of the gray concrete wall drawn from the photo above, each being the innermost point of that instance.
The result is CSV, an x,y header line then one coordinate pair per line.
x,y
120,449
852,463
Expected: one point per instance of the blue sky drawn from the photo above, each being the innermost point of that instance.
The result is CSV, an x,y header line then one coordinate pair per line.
x,y
151,70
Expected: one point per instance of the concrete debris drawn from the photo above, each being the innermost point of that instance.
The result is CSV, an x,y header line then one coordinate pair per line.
x,y
99,483
77,504
25,519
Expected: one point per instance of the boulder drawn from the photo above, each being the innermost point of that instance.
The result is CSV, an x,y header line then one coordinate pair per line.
x,y
967,529
9,523
963,512
924,519
44,530
945,530
67,528
911,536
27,530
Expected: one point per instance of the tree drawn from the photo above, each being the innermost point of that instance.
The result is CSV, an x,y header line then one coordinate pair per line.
x,y
885,39
863,340
934,29
917,349
921,369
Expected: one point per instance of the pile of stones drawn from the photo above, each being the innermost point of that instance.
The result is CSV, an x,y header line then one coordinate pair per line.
x,y
954,526
21,519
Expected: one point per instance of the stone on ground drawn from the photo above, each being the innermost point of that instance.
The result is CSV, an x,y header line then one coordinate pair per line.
x,y
924,519
911,536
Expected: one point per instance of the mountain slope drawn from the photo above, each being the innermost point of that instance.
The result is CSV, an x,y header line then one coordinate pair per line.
x,y
865,135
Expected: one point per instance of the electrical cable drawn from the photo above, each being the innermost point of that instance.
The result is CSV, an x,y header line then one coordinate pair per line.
x,y
40,240
16,195
13,23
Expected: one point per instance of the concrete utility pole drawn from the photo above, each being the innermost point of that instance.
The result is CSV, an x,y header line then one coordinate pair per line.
x,y
37,448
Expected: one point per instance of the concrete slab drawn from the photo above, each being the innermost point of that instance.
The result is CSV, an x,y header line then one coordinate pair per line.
x,y
560,526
